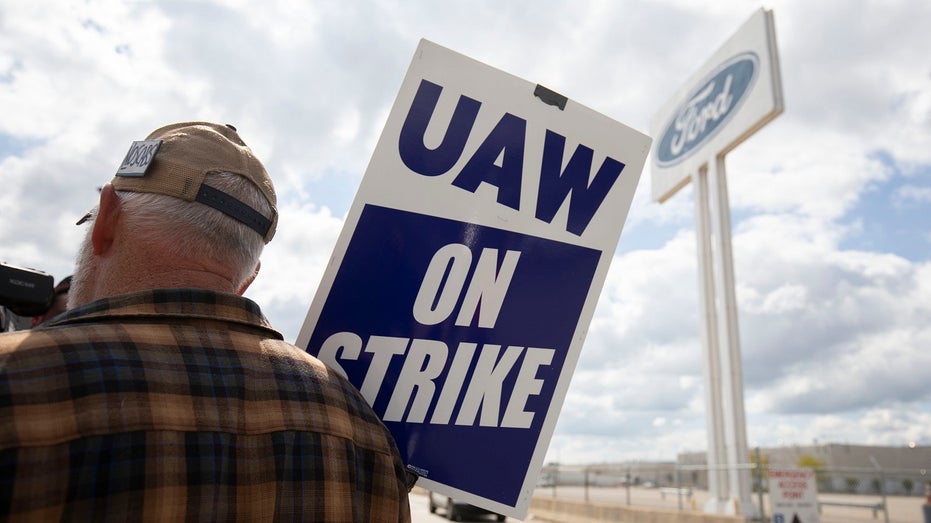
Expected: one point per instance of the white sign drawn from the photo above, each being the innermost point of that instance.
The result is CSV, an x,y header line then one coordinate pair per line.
x,y
794,495
736,92
462,285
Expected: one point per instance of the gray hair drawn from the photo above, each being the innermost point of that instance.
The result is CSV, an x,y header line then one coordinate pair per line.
x,y
192,230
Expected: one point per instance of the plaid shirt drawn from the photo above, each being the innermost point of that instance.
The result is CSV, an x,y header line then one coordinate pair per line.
x,y
183,404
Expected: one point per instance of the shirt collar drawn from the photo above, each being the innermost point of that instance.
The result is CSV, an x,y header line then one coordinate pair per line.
x,y
166,303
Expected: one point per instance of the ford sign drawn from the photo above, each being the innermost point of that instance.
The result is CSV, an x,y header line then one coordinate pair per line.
x,y
708,109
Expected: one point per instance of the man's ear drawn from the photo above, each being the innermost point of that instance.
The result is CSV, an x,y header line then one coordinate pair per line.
x,y
108,214
250,279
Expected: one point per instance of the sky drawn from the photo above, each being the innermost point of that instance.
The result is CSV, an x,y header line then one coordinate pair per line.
x,y
830,202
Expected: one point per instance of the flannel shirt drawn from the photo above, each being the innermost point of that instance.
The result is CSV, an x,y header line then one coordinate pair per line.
x,y
184,404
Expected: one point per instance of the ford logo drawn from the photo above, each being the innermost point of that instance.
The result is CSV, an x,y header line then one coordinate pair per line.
x,y
707,109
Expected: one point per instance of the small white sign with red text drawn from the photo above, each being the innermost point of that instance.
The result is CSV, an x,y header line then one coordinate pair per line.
x,y
794,495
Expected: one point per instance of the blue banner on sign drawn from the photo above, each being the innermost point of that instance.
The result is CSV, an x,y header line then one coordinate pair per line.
x,y
456,334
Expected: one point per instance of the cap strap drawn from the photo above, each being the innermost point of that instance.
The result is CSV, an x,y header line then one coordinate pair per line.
x,y
233,208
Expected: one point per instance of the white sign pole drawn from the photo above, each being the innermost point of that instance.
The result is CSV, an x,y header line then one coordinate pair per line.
x,y
717,474
728,343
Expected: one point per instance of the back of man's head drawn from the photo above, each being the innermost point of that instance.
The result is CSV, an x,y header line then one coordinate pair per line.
x,y
191,195
211,165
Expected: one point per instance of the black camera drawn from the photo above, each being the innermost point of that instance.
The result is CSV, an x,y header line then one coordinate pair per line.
x,y
25,292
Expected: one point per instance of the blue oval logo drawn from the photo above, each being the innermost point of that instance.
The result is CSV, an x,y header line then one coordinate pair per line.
x,y
708,109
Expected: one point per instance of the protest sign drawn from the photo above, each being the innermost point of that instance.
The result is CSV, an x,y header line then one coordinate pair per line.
x,y
461,288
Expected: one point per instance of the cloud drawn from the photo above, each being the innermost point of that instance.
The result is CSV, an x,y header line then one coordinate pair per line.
x,y
912,196
824,331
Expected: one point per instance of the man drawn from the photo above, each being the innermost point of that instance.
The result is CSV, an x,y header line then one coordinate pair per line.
x,y
162,393
59,302
6,319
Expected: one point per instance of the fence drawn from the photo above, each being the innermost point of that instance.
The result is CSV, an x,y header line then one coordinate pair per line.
x,y
683,487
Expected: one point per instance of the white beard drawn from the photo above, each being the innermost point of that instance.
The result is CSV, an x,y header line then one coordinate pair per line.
x,y
85,273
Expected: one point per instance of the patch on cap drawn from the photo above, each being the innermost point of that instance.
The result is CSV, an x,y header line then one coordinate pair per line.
x,y
139,158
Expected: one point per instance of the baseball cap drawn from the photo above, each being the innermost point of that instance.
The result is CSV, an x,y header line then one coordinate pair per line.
x,y
174,160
